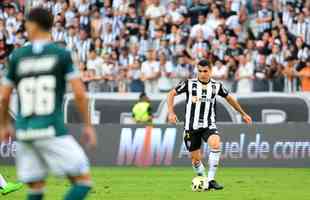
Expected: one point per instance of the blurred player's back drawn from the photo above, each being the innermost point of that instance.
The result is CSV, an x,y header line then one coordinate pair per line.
x,y
39,72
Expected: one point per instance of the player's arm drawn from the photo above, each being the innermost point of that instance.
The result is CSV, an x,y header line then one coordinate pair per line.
x,y
181,88
81,101
234,103
6,88
5,125
172,117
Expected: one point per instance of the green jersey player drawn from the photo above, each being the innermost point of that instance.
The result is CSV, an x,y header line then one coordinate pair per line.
x,y
39,73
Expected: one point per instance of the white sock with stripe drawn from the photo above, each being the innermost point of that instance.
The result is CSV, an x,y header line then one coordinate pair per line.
x,y
214,158
199,169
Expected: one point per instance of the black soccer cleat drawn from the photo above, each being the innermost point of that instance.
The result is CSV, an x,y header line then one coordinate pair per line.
x,y
214,185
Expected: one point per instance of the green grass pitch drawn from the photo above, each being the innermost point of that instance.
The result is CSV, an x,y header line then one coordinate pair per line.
x,y
169,183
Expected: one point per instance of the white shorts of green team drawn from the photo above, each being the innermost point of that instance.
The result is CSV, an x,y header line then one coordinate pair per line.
x,y
63,156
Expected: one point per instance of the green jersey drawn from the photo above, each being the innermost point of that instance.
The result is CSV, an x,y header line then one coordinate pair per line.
x,y
39,73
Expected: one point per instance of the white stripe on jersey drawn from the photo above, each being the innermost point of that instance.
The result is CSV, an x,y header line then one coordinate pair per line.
x,y
208,104
188,105
200,107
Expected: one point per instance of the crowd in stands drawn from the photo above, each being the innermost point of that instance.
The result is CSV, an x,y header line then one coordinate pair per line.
x,y
151,45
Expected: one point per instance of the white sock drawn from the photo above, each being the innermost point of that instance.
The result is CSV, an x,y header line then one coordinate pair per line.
x,y
199,169
214,158
3,183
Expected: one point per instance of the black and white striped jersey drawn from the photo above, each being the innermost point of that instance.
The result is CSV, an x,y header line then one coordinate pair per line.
x,y
200,102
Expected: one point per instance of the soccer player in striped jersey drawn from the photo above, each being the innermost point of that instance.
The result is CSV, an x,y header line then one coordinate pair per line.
x,y
200,122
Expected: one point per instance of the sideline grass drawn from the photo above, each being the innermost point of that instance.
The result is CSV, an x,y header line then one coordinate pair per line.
x,y
173,183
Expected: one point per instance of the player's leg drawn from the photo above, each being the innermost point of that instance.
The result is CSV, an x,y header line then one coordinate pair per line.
x,y
31,169
80,187
197,163
192,142
36,190
214,158
65,157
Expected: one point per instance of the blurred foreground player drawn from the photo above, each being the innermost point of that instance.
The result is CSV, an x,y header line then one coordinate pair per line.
x,y
39,72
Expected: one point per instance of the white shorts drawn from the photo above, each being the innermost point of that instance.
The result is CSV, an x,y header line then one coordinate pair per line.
x,y
63,156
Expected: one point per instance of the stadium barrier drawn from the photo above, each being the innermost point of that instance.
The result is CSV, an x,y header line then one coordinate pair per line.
x,y
279,145
263,107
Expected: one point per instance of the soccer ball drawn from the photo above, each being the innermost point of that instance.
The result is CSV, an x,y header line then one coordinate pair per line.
x,y
199,184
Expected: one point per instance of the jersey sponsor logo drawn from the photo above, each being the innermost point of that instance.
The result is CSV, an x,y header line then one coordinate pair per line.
x,y
196,99
36,65
146,146
31,134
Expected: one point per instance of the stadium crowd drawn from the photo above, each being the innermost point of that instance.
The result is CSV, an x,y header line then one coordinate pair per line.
x,y
151,45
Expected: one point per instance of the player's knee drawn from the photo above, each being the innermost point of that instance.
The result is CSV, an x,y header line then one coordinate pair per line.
x,y
214,142
215,146
84,179
39,185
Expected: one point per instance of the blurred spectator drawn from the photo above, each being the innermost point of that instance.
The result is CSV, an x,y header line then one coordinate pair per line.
x,y
197,7
304,75
134,75
155,10
183,70
207,31
96,24
83,45
290,73
276,75
264,17
121,33
166,69
220,71
94,66
150,72
132,21
244,75
58,32
260,75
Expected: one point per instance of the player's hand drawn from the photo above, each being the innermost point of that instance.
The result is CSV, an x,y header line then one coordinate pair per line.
x,y
89,136
247,119
6,132
172,118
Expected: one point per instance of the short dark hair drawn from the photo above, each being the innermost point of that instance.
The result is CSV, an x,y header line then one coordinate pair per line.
x,y
204,63
42,17
142,95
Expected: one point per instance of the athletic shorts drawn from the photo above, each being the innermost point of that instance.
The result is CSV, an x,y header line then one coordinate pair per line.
x,y
63,156
193,139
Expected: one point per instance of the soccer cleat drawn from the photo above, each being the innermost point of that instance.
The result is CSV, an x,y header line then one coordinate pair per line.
x,y
214,185
11,187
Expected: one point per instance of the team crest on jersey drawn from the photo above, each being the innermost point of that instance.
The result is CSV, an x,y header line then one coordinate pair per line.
x,y
195,99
